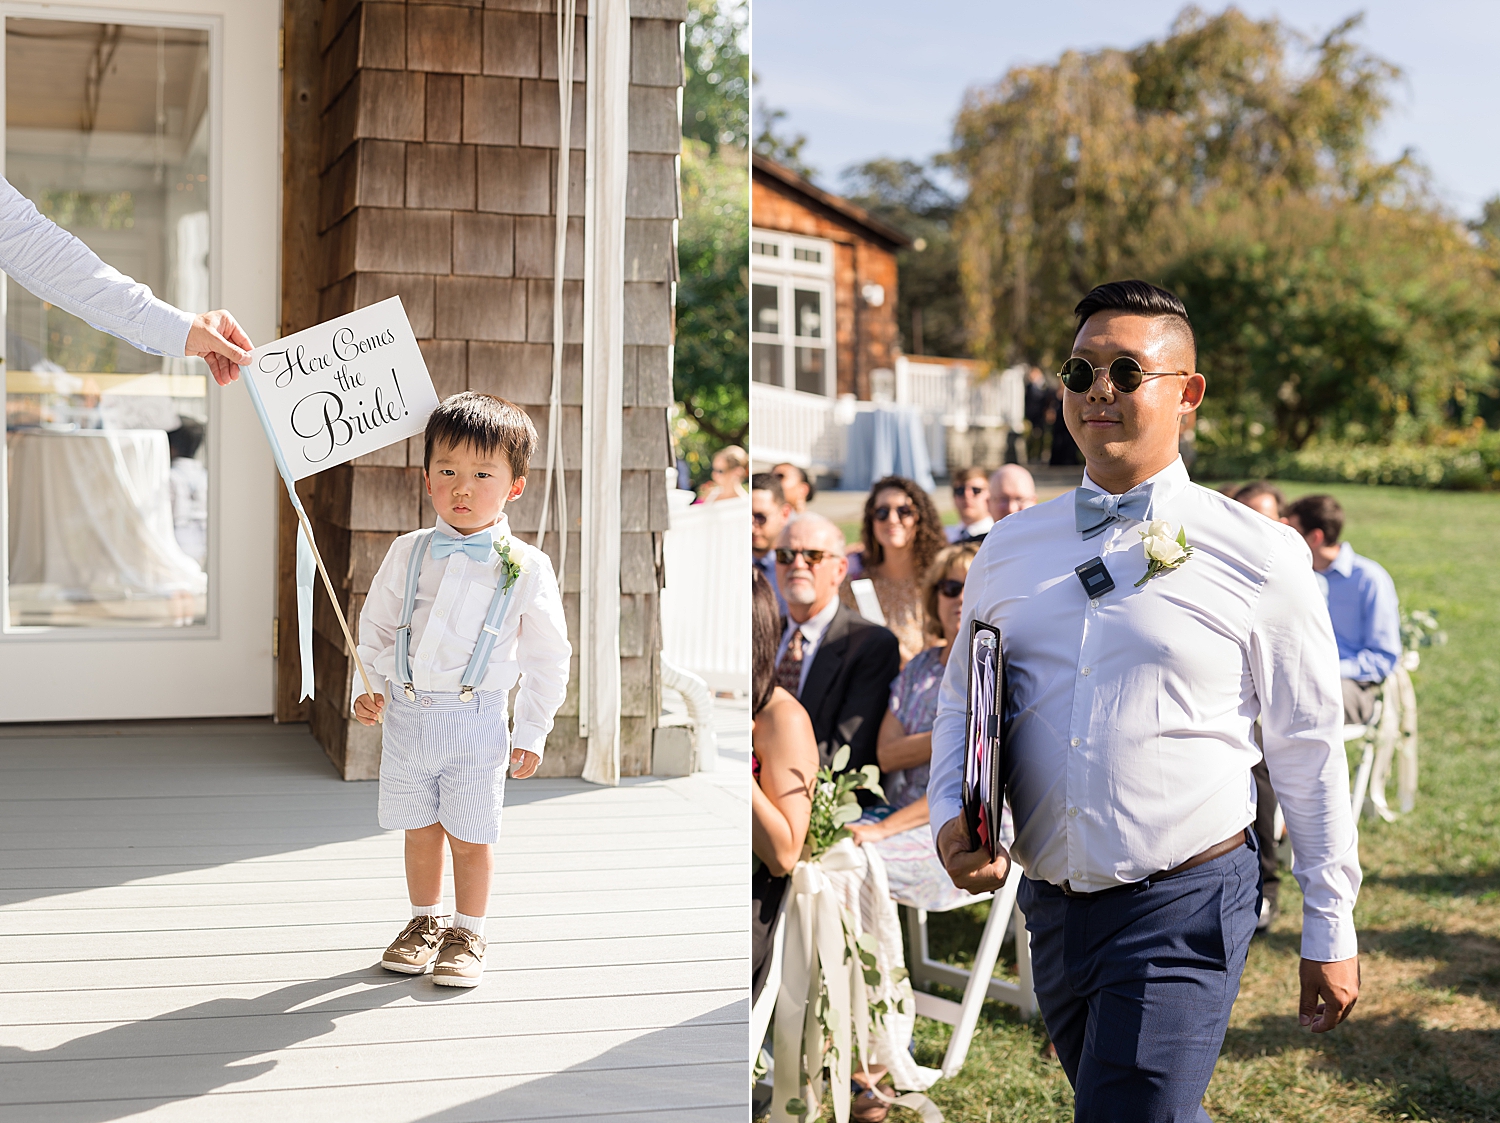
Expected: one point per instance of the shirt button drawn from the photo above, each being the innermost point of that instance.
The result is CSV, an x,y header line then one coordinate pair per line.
x,y
1094,603
1086,670
1074,742
439,614
1073,811
1077,873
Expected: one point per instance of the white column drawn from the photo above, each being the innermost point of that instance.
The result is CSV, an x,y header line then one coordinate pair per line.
x,y
608,156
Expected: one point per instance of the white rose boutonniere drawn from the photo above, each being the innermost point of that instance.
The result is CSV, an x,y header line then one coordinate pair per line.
x,y
1164,552
508,564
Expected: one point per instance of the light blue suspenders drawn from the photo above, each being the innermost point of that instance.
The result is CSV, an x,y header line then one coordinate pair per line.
x,y
478,662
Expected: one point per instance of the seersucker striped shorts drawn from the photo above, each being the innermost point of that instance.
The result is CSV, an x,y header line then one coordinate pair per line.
x,y
444,761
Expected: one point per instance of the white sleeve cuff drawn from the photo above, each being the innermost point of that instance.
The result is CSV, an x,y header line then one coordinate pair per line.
x,y
528,737
1328,939
166,328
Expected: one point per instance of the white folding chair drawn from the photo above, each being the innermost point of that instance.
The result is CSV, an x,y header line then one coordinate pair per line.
x,y
1392,725
979,982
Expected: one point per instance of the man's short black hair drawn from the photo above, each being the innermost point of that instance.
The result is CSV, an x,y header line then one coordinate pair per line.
x,y
1319,512
1257,488
1141,298
765,481
811,487
185,440
485,423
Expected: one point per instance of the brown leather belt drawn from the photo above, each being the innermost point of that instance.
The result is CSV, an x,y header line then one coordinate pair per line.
x,y
1218,850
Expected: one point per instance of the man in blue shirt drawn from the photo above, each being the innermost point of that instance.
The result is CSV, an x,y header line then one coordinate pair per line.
x,y
1361,600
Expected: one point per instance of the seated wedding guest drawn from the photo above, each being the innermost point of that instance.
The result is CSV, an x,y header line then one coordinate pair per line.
x,y
731,466
1266,498
1361,601
899,829
901,535
971,499
1262,496
837,663
1012,489
784,759
769,512
796,485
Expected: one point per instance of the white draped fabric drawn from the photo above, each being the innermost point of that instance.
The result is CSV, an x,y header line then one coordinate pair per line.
x,y
831,903
91,517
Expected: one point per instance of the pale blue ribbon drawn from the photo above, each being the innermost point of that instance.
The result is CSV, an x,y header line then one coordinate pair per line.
x,y
307,565
1093,511
477,546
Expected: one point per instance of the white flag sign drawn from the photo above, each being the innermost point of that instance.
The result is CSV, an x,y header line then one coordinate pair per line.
x,y
344,388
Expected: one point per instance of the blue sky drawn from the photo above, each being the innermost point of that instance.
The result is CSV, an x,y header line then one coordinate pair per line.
x,y
885,78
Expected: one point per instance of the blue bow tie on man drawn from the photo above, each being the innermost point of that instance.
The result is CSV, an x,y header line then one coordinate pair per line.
x,y
477,546
1093,511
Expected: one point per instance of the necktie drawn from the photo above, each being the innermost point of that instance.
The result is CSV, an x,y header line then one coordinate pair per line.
x,y
789,670
477,546
1094,511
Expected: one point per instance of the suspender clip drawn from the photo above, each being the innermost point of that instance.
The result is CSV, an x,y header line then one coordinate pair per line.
x,y
466,694
411,694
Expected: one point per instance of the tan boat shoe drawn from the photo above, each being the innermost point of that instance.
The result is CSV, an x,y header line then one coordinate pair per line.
x,y
413,950
460,959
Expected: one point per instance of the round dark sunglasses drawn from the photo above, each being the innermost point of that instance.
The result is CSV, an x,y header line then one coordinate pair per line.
x,y
903,512
951,589
1125,374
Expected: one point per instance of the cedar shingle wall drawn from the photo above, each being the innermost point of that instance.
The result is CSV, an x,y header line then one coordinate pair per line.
x,y
437,128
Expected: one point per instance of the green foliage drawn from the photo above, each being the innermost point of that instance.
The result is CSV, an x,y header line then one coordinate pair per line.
x,y
1231,161
1470,461
716,93
835,805
712,357
904,194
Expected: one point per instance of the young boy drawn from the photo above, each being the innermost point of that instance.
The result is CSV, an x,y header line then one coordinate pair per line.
x,y
455,617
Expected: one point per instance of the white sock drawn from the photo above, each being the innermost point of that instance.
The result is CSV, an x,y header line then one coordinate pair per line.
x,y
474,924
428,910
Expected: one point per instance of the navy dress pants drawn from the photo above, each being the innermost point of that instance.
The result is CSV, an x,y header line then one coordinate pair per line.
x,y
1136,986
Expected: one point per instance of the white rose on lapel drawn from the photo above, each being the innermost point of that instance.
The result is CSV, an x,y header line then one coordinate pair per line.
x,y
1164,550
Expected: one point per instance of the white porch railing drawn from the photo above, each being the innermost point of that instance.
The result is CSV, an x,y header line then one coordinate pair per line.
x,y
705,606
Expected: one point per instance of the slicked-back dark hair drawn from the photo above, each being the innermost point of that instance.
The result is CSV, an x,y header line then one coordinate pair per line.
x,y
1319,512
486,424
1261,487
765,481
1140,297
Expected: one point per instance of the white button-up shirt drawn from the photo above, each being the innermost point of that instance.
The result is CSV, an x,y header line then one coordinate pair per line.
x,y
453,597
1131,714
53,264
812,637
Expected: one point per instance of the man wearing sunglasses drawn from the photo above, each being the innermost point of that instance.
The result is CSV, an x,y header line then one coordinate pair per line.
x,y
1130,716
971,499
836,663
769,512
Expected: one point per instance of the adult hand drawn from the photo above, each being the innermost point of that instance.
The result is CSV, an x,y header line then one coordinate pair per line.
x,y
968,864
523,763
367,708
1336,984
218,338
867,832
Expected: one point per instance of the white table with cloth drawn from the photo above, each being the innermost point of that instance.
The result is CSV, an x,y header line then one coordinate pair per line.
x,y
91,529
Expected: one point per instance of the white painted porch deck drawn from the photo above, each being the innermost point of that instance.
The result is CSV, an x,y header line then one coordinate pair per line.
x,y
191,919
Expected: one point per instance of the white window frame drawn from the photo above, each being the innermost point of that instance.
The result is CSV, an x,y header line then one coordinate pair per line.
x,y
787,274
213,25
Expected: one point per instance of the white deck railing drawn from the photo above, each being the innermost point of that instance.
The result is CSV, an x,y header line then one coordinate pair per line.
x,y
705,606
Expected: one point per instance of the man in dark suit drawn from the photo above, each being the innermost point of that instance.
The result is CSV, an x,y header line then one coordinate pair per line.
x,y
837,663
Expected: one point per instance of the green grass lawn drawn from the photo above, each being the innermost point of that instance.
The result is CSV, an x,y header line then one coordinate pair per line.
x,y
1424,1042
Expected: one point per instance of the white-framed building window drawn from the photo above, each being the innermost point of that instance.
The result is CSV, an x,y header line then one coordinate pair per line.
x,y
792,341
109,127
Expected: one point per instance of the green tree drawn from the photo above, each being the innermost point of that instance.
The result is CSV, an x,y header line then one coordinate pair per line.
x,y
716,93
1331,292
929,305
771,143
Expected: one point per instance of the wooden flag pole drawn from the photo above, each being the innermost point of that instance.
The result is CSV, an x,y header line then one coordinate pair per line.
x,y
328,584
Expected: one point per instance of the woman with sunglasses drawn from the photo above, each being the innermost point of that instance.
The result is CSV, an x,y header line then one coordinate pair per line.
x,y
904,745
901,535
730,470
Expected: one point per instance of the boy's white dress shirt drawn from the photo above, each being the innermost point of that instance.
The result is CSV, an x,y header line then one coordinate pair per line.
x,y
453,596
1131,715
54,265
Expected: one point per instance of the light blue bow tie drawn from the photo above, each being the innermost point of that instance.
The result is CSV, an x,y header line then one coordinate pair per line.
x,y
1093,511
477,546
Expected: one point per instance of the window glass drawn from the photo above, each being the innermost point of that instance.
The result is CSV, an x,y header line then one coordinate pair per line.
x,y
809,312
765,309
765,363
811,365
107,132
